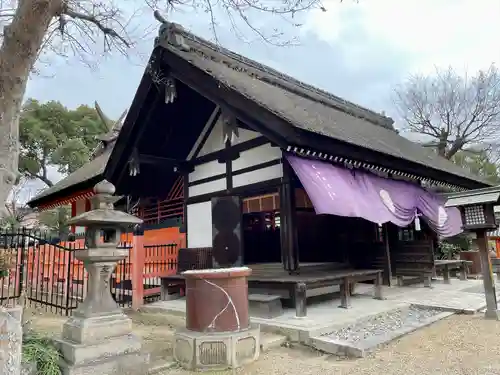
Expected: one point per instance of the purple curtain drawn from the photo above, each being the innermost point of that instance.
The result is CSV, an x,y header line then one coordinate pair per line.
x,y
343,192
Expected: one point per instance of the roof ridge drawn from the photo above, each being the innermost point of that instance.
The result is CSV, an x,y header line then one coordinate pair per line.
x,y
280,79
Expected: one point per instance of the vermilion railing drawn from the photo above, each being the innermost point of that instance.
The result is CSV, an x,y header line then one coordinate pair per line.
x,y
156,211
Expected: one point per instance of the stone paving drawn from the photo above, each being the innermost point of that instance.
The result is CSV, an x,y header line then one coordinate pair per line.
x,y
459,296
323,317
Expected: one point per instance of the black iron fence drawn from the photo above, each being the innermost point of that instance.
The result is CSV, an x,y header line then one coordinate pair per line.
x,y
49,275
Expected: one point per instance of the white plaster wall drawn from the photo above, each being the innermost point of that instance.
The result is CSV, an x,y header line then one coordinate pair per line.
x,y
245,135
208,187
199,224
215,142
264,174
209,169
257,155
202,171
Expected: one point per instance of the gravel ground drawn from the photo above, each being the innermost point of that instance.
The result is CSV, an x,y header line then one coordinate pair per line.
x,y
458,345
381,324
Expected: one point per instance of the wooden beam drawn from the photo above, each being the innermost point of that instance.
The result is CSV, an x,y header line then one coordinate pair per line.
x,y
387,255
135,135
205,133
131,129
288,221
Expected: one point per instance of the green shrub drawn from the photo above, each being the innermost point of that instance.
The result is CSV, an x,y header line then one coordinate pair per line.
x,y
447,250
41,351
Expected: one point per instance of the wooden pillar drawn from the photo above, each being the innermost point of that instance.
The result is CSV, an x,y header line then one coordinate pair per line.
x,y
73,214
387,256
137,264
488,280
288,222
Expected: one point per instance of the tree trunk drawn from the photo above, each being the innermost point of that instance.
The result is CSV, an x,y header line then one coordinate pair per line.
x,y
21,44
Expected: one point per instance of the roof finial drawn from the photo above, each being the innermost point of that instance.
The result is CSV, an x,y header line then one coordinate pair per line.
x,y
171,33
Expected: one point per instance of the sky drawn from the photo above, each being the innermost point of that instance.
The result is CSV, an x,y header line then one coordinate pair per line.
x,y
359,50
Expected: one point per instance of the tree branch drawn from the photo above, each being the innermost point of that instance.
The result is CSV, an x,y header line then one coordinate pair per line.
x,y
452,109
107,31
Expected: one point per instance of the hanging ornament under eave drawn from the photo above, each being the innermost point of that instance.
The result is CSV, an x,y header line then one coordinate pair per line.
x,y
170,90
229,128
134,165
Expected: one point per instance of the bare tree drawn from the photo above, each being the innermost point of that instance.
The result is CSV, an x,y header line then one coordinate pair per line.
x,y
15,205
30,27
452,112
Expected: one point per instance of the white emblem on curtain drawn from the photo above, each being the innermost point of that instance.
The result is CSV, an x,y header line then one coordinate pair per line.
x,y
442,216
387,200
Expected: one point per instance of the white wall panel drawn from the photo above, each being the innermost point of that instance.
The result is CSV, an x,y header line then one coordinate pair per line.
x,y
264,174
208,187
209,169
214,142
257,155
245,135
199,224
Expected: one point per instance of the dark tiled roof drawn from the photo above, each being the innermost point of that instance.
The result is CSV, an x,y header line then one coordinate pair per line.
x,y
88,171
302,105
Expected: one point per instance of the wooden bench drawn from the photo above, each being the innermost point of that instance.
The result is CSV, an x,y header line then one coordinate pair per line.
x,y
425,275
271,278
349,278
446,266
266,306
191,258
344,278
172,287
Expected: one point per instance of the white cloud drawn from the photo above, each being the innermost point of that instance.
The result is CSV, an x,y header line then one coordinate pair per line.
x,y
429,33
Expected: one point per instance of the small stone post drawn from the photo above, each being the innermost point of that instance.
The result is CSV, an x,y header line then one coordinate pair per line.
x,y
98,338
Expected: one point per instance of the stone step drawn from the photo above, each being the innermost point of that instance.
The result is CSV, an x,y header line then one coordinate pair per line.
x,y
270,341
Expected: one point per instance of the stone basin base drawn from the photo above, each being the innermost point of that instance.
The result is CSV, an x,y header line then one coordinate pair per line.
x,y
216,351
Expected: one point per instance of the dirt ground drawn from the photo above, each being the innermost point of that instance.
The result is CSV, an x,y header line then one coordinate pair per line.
x,y
460,344
155,330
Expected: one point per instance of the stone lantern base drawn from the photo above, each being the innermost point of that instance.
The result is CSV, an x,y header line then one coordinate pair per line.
x,y
216,351
101,345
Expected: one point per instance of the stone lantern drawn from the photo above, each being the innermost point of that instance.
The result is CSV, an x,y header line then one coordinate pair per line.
x,y
478,216
98,337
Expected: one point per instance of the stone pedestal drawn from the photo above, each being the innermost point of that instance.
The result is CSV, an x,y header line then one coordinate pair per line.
x,y
218,333
98,338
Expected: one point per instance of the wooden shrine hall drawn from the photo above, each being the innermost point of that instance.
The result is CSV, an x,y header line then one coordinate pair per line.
x,y
276,174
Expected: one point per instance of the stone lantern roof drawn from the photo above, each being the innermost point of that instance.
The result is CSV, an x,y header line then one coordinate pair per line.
x,y
102,211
